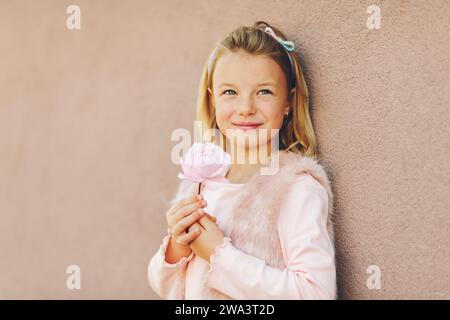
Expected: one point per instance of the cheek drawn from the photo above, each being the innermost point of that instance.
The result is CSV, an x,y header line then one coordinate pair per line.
x,y
223,113
223,116
274,119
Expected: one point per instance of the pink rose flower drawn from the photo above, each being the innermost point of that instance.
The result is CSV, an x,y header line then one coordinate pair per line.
x,y
205,161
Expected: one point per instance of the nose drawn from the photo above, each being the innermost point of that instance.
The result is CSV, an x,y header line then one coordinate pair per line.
x,y
246,107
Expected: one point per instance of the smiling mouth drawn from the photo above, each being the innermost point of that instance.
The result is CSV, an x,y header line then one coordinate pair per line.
x,y
247,126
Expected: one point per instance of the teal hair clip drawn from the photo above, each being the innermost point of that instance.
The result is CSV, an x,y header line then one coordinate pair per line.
x,y
288,45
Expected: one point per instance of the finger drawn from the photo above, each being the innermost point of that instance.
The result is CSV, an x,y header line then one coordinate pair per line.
x,y
186,238
206,222
211,217
183,202
183,212
187,221
195,224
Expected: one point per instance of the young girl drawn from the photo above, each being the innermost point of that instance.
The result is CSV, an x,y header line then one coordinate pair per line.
x,y
258,236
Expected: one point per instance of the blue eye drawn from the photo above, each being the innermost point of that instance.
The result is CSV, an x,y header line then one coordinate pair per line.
x,y
228,90
270,92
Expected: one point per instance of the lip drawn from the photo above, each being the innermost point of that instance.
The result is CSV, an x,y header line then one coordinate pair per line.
x,y
247,125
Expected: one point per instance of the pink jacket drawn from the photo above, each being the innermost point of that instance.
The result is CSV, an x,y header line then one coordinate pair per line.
x,y
255,261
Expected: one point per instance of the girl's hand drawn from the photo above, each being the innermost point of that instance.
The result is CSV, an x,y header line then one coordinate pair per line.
x,y
182,215
211,236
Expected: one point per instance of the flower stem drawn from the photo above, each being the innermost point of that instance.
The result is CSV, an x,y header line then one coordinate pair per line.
x,y
199,185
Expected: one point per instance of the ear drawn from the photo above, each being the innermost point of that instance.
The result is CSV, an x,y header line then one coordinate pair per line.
x,y
290,97
292,91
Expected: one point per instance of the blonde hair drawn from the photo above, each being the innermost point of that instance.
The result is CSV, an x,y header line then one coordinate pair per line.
x,y
297,133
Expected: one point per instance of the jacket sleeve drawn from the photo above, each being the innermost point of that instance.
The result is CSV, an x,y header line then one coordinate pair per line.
x,y
168,280
307,248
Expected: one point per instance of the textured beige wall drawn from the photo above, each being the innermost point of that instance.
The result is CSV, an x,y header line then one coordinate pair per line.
x,y
86,117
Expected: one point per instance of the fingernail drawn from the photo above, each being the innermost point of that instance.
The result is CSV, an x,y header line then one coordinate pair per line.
x,y
204,203
200,197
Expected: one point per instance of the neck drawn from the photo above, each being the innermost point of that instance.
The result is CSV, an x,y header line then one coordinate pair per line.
x,y
241,173
243,168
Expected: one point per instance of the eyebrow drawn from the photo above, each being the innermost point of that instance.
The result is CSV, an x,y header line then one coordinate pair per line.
x,y
266,83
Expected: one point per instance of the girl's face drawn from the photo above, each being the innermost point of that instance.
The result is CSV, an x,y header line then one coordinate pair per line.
x,y
249,94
